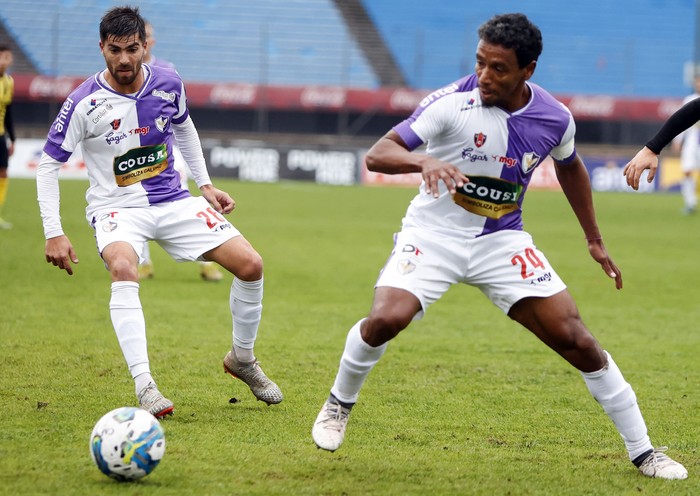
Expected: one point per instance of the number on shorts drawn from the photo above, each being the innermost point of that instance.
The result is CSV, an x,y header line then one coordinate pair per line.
x,y
532,258
211,224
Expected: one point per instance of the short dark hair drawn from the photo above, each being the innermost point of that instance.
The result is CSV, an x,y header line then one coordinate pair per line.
x,y
122,22
514,31
5,48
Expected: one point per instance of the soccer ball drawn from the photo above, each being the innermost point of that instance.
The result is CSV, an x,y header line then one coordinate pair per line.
x,y
127,443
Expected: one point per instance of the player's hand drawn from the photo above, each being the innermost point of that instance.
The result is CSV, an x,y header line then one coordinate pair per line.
x,y
220,200
59,251
597,250
644,159
434,171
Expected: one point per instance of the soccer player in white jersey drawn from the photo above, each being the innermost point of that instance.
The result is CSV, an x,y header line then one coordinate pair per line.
x,y
485,135
126,119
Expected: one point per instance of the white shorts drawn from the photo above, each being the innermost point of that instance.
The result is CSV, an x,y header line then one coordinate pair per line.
x,y
506,266
185,229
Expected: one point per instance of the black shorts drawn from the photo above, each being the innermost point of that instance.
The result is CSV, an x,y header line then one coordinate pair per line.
x,y
4,154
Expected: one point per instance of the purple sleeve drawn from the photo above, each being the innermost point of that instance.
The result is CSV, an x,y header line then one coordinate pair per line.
x,y
407,134
56,152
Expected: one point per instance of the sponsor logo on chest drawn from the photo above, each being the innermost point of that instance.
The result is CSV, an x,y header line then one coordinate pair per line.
x,y
488,196
140,163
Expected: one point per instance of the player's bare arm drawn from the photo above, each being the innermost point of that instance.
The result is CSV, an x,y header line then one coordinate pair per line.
x,y
390,155
576,185
59,251
643,160
220,200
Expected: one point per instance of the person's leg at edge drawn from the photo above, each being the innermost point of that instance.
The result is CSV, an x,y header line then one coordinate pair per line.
x,y
4,184
556,321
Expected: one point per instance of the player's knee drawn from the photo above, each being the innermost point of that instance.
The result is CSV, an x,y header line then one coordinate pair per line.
x,y
122,269
382,327
573,336
250,267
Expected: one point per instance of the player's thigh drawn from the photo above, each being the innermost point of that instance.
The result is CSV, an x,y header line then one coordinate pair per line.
x,y
421,264
189,228
507,267
134,226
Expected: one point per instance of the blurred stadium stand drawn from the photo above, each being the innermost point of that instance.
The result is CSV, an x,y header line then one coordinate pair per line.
x,y
262,41
597,53
625,47
620,47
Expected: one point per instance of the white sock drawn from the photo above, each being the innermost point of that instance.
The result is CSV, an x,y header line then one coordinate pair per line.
x,y
143,380
617,398
130,326
689,193
355,365
246,309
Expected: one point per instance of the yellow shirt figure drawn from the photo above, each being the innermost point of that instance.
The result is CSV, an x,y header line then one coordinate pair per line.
x,y
7,87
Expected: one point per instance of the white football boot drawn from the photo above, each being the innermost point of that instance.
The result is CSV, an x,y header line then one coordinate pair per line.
x,y
151,400
658,465
329,429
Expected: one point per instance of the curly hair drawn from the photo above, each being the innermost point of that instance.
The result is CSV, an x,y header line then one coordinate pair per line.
x,y
514,31
122,22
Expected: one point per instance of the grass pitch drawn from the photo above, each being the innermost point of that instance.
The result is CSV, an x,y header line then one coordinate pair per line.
x,y
463,402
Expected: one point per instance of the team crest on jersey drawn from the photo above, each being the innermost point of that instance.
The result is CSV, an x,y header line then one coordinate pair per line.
x,y
161,122
529,161
479,139
405,267
116,123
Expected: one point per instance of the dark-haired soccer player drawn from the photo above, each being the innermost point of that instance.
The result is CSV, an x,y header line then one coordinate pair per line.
x,y
486,134
127,119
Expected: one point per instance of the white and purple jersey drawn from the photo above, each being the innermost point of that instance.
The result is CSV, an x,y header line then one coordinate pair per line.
x,y
127,140
496,149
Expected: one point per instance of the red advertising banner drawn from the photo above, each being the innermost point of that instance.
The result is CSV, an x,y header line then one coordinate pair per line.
x,y
31,87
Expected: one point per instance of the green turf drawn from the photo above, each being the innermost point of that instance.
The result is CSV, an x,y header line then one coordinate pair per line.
x,y
463,402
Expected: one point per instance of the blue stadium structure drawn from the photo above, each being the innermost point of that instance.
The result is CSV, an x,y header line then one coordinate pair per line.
x,y
620,48
262,41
